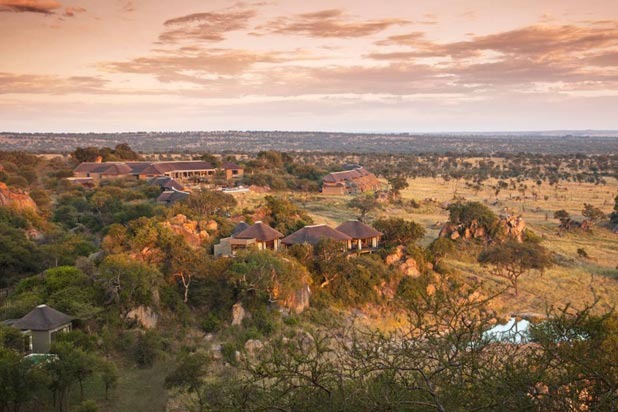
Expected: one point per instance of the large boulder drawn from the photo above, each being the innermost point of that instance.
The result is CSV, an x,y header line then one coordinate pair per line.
x,y
16,198
253,345
145,316
238,314
410,268
299,300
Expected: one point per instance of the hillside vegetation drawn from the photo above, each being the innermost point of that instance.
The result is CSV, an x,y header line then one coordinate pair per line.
x,y
163,324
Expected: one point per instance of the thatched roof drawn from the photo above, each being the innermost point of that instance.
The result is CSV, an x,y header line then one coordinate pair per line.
x,y
172,196
42,318
239,228
259,231
358,230
313,235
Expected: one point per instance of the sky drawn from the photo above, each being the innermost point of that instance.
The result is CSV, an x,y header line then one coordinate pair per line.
x,y
334,65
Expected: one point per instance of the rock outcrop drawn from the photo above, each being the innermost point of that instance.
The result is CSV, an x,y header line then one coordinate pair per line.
x,y
192,231
145,316
238,314
298,301
406,264
16,198
512,227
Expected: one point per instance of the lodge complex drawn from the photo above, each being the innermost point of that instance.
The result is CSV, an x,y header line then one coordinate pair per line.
x,y
353,236
178,170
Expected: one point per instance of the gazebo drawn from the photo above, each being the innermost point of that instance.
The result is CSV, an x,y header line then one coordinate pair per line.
x,y
260,234
363,236
42,324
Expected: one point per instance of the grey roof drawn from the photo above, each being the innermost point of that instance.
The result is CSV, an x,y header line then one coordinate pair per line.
x,y
358,230
313,235
42,318
231,166
172,196
147,168
166,182
259,231
239,228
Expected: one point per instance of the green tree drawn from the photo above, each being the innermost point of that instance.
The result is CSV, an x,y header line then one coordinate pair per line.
x,y
397,231
397,184
109,376
439,248
563,216
210,203
128,282
19,380
147,348
468,213
212,159
266,275
189,377
72,365
18,255
512,259
123,151
365,204
578,356
85,154
593,214
285,216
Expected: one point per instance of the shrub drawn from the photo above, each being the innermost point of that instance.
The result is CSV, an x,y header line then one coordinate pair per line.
x,y
581,252
88,406
147,348
211,323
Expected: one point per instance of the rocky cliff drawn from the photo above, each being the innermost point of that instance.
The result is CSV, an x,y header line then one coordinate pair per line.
x,y
192,231
16,198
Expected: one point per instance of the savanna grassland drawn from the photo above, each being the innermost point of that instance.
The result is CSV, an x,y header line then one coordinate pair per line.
x,y
575,280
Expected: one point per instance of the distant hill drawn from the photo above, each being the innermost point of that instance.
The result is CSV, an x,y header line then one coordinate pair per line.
x,y
550,142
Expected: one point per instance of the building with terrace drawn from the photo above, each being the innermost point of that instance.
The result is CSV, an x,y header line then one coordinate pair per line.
x,y
364,237
353,181
178,170
244,236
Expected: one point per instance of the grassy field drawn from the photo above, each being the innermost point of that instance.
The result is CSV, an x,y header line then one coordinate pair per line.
x,y
573,280
138,389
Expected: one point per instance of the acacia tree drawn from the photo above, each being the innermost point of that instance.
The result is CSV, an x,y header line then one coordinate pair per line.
x,y
365,204
208,203
397,184
190,377
563,216
187,263
511,259
593,214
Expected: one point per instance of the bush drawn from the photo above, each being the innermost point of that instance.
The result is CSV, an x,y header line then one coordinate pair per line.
x,y
466,213
147,348
88,406
228,351
581,252
211,323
